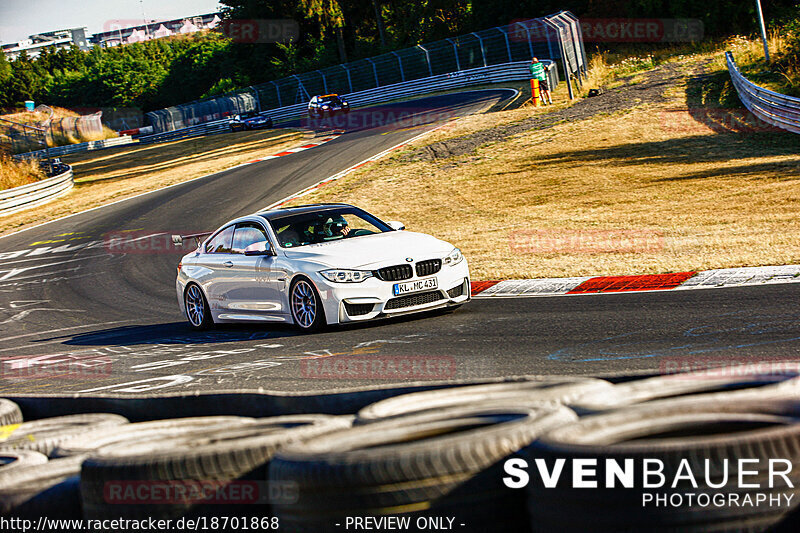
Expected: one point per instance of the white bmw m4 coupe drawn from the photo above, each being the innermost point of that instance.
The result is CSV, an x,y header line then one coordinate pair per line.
x,y
315,265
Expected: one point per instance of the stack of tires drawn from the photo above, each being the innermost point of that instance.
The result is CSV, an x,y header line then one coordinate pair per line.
x,y
100,466
538,454
441,455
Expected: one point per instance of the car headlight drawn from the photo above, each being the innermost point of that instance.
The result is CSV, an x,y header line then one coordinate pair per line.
x,y
325,107
453,258
346,276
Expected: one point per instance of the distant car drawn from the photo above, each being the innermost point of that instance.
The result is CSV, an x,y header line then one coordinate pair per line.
x,y
315,265
250,121
327,104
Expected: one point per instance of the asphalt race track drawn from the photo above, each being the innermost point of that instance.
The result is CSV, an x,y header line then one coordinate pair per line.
x,y
68,300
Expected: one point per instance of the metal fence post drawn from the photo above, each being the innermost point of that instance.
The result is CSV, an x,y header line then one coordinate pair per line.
x,y
258,100
324,81
530,39
374,71
277,93
400,63
347,71
455,52
428,59
301,90
549,41
483,52
508,44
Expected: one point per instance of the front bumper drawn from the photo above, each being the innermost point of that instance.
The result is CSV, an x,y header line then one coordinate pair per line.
x,y
373,298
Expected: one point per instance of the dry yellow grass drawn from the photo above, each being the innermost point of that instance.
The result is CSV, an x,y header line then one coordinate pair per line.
x,y
117,173
18,173
701,199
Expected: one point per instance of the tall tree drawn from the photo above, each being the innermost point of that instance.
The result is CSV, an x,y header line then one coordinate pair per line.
x,y
330,17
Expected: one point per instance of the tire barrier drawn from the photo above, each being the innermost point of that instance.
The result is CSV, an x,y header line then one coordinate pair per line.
x,y
86,443
697,438
748,383
44,435
445,464
49,489
13,459
41,192
141,408
423,452
545,389
222,454
9,413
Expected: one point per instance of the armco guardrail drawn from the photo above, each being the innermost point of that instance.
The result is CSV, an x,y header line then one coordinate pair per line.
x,y
27,196
59,151
515,71
217,126
774,108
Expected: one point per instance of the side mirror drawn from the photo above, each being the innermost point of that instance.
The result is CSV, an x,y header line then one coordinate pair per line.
x,y
395,225
259,248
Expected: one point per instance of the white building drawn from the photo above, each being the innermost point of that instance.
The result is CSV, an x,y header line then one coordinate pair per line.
x,y
34,44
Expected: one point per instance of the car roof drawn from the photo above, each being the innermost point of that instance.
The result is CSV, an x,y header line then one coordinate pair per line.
x,y
299,209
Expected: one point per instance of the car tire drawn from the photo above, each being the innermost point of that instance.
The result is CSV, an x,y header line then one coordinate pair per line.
x,y
90,441
197,309
305,304
45,434
552,389
11,460
217,456
50,489
700,435
9,413
712,384
446,465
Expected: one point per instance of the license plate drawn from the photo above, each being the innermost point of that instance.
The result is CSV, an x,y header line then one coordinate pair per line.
x,y
415,286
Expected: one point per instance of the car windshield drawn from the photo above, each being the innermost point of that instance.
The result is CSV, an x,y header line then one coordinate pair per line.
x,y
325,225
330,100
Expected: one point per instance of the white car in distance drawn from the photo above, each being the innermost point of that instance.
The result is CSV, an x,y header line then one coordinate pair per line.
x,y
316,265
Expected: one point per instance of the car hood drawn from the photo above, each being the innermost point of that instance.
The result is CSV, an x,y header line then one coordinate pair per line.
x,y
373,251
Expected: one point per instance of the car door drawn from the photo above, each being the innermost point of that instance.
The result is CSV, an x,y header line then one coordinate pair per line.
x,y
216,261
251,287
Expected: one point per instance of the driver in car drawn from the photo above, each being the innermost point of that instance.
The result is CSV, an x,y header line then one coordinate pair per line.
x,y
336,227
